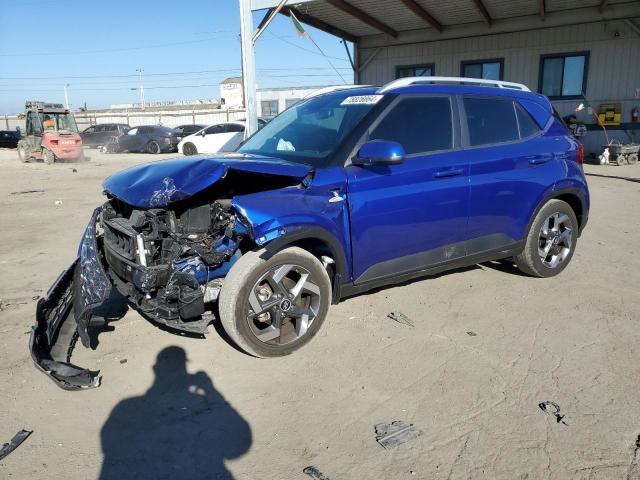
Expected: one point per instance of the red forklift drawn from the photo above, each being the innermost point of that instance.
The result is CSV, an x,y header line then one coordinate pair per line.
x,y
51,134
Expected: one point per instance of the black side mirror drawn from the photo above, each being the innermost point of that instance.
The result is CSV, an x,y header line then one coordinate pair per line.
x,y
379,152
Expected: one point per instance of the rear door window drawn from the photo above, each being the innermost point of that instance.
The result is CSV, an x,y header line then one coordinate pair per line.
x,y
419,124
212,130
490,120
234,127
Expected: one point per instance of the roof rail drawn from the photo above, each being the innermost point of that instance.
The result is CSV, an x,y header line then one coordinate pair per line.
x,y
406,81
333,88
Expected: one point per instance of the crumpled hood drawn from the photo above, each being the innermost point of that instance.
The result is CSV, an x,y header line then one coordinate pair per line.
x,y
158,184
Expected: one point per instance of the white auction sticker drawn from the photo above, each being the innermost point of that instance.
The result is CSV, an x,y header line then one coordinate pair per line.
x,y
362,100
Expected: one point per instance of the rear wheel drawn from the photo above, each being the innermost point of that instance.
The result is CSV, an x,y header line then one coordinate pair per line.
x,y
271,305
550,242
189,149
153,147
48,156
632,159
621,159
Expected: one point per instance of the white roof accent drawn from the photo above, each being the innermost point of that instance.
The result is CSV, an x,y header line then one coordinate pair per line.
x,y
405,82
333,88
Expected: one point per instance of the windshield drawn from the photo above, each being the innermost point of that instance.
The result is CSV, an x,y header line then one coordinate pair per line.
x,y
58,121
311,131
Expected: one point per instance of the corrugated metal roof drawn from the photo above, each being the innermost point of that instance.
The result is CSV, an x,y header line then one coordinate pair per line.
x,y
396,15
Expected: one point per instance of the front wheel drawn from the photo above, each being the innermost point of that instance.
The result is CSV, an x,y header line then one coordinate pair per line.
x,y
153,147
189,149
23,152
551,241
271,305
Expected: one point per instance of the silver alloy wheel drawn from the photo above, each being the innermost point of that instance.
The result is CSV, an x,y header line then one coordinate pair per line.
x,y
555,240
283,304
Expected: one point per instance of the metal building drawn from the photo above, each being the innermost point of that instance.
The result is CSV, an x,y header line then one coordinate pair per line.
x,y
570,50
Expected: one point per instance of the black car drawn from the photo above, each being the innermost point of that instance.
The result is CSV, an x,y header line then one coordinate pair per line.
x,y
182,131
9,138
149,139
99,135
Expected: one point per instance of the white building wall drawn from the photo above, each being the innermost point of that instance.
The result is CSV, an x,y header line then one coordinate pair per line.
x,y
613,74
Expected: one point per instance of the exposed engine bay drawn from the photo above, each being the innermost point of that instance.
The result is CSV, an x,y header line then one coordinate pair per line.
x,y
167,257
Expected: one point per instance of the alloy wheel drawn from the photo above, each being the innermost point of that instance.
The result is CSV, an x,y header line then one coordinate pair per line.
x,y
283,304
555,240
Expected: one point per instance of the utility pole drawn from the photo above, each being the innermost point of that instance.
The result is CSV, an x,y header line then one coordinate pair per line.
x,y
66,96
248,67
139,70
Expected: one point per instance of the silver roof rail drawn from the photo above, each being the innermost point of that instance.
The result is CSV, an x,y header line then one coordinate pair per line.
x,y
405,82
333,88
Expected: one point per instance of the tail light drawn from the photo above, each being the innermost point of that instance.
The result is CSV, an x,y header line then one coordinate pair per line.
x,y
580,157
54,142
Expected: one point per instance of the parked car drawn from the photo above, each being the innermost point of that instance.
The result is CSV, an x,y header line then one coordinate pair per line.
x,y
223,137
100,135
9,138
342,193
147,138
182,131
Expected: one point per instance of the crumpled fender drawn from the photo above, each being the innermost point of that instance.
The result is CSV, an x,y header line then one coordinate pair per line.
x,y
289,214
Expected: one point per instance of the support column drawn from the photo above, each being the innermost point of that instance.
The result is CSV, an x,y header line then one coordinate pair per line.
x,y
248,67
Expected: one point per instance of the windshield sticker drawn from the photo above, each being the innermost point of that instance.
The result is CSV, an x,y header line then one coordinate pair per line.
x,y
285,146
362,100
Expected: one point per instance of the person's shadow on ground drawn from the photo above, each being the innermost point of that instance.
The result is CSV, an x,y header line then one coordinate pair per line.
x,y
180,428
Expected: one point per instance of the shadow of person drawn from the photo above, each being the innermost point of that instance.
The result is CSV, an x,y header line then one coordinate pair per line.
x,y
180,428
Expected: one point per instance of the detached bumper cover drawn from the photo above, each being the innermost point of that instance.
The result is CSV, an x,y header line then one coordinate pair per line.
x,y
64,314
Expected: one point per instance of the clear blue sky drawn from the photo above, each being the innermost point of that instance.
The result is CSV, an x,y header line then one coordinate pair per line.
x,y
186,47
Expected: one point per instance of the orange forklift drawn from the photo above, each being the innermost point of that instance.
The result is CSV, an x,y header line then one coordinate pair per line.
x,y
51,134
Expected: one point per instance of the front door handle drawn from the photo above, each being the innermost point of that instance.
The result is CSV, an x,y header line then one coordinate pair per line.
x,y
450,172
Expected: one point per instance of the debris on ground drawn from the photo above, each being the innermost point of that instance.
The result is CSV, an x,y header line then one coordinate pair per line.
x,y
58,202
472,334
552,409
123,361
314,473
26,192
400,318
74,170
15,442
394,434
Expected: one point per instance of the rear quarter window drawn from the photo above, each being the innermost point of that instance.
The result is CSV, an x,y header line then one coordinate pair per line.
x,y
527,125
490,120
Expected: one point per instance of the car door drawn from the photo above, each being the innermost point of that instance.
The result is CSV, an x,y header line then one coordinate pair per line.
x,y
127,141
409,216
212,139
512,164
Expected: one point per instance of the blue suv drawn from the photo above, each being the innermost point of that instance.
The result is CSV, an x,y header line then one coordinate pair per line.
x,y
346,191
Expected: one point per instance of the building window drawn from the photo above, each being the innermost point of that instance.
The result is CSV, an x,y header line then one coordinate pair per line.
x,y
290,102
426,70
487,69
269,108
564,75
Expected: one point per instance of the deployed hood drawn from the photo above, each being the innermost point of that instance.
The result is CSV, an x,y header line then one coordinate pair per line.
x,y
158,184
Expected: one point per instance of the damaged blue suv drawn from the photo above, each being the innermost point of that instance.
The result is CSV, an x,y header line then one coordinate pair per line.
x,y
346,191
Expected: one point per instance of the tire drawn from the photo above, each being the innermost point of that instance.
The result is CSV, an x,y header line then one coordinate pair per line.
x,y
48,156
272,279
559,242
153,147
23,152
621,159
111,146
632,159
189,149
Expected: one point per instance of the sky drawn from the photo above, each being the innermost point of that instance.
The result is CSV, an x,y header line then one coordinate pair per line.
x,y
185,48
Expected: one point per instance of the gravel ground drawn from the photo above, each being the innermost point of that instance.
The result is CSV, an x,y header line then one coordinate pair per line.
x,y
488,346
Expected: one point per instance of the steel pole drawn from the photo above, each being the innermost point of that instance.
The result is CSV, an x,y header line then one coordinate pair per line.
x,y
66,97
248,67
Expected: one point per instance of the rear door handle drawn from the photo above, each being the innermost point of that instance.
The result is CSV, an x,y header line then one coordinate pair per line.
x,y
450,172
539,159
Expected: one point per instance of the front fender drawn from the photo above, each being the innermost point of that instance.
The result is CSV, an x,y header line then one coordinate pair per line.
x,y
282,217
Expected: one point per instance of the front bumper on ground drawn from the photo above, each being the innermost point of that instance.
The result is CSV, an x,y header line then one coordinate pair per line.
x,y
64,315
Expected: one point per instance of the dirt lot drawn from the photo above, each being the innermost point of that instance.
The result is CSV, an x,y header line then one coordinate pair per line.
x,y
488,346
